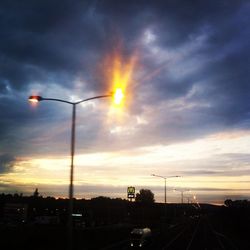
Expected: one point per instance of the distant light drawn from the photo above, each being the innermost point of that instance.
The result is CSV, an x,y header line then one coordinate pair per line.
x,y
77,215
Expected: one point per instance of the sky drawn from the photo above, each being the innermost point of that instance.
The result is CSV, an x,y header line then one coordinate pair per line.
x,y
184,70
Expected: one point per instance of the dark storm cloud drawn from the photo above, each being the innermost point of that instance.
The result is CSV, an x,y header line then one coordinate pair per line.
x,y
45,42
45,39
48,39
222,73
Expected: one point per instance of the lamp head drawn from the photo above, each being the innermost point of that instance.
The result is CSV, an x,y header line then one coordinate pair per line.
x,y
35,98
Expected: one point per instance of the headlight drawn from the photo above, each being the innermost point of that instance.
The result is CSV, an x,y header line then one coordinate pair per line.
x,y
131,244
140,245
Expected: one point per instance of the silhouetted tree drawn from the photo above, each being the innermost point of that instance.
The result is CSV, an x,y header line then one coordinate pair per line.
x,y
36,193
228,202
145,196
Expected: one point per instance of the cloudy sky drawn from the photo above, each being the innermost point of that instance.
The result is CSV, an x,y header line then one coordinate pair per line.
x,y
185,70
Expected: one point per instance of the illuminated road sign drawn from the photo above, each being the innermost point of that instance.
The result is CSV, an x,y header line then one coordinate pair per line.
x,y
131,192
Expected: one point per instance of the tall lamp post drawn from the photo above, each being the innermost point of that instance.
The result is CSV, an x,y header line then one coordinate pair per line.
x,y
117,96
165,186
182,192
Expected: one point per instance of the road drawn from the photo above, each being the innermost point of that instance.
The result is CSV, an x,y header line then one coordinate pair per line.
x,y
194,233
200,232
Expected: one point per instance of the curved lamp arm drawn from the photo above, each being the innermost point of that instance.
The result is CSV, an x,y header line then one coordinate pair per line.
x,y
35,98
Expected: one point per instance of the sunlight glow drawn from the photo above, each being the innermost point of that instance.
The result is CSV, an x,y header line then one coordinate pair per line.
x,y
118,96
209,174
118,74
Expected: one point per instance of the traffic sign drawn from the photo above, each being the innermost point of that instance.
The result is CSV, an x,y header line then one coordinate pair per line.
x,y
131,192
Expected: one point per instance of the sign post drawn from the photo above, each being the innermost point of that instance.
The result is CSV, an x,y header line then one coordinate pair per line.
x,y
131,193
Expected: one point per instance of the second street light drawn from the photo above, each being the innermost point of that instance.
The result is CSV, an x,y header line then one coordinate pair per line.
x,y
165,186
117,98
182,191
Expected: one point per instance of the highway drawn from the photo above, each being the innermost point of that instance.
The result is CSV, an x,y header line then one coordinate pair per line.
x,y
194,233
198,232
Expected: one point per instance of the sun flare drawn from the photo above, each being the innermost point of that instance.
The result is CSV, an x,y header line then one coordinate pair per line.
x,y
119,70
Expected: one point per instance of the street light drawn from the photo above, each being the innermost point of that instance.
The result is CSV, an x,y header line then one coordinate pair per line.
x,y
165,181
182,192
117,98
165,187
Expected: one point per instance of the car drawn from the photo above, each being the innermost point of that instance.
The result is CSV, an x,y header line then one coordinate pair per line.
x,y
140,237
